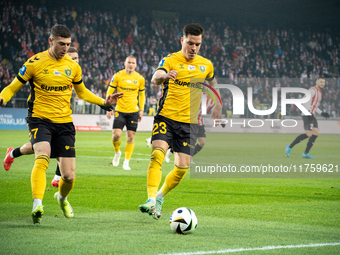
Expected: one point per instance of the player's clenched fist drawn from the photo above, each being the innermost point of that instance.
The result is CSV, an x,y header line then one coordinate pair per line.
x,y
172,75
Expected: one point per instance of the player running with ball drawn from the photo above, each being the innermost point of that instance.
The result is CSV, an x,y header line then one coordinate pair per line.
x,y
175,123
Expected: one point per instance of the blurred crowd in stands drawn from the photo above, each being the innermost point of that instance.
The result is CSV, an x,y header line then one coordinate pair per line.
x,y
261,58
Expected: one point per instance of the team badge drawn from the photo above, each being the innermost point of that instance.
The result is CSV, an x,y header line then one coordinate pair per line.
x,y
22,71
135,82
191,68
202,68
68,72
116,114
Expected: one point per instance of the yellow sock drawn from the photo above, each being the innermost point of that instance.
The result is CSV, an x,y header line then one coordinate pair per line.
x,y
129,149
116,145
38,176
173,179
154,175
65,187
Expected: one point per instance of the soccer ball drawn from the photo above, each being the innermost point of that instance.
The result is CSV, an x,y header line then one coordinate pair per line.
x,y
183,221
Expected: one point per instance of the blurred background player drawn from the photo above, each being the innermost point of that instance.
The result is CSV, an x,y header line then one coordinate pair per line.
x,y
310,123
26,149
201,135
127,112
49,120
175,123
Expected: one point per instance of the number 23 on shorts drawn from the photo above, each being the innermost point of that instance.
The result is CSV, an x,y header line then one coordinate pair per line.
x,y
159,128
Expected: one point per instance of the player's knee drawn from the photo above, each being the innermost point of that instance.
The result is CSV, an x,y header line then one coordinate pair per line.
x,y
179,172
69,177
115,137
201,143
158,155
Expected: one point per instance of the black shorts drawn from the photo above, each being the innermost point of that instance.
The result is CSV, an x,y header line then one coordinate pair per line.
x,y
309,122
61,136
201,132
130,120
180,136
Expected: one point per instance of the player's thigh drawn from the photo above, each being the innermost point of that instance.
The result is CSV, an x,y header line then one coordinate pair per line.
x,y
41,134
67,168
309,123
63,142
42,148
132,121
185,138
315,131
163,130
182,159
119,120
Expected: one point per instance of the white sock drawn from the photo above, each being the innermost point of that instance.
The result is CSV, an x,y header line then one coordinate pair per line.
x,y
56,177
152,199
61,198
36,202
160,194
11,154
126,161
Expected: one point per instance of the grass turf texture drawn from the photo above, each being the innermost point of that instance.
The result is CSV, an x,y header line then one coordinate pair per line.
x,y
232,213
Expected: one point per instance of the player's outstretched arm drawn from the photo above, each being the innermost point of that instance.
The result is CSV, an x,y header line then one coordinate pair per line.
x,y
161,76
88,96
10,91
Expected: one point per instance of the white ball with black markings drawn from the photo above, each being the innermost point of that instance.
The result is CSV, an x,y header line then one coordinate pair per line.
x,y
183,221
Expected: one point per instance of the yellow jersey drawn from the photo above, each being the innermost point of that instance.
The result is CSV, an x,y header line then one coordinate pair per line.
x,y
130,85
181,98
51,90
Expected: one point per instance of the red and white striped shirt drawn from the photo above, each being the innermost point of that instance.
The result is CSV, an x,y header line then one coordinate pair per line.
x,y
313,104
210,105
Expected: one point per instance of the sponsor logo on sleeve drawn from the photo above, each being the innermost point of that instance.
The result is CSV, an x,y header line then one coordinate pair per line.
x,y
22,71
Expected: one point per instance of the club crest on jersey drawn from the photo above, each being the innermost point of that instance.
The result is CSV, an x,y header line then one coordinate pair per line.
x,y
191,68
135,82
202,68
56,72
22,71
68,72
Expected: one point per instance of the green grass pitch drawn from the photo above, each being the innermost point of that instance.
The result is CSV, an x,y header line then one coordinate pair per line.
x,y
235,215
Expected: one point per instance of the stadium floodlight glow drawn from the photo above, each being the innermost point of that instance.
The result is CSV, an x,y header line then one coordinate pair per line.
x,y
238,100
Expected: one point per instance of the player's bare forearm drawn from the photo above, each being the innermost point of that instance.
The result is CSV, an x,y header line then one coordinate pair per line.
x,y
161,76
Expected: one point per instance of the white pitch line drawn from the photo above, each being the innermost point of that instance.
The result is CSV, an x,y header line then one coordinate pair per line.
x,y
255,249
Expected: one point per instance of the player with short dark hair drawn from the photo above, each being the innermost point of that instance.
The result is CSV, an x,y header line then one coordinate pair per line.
x,y
52,134
175,124
129,110
27,149
310,123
